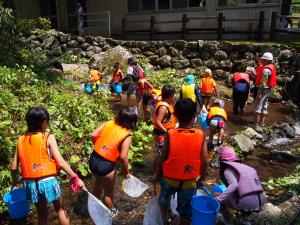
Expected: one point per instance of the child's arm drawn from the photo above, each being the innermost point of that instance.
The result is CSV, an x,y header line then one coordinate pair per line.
x,y
162,111
14,169
97,132
149,86
60,160
204,160
124,155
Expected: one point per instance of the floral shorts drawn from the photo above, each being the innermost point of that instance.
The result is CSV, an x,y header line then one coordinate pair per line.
x,y
48,188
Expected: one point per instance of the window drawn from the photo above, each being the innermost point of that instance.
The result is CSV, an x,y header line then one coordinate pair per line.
x,y
177,4
227,2
197,3
148,4
246,1
133,5
270,1
163,4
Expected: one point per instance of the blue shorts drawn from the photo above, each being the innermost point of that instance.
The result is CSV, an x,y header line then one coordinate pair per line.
x,y
184,198
48,188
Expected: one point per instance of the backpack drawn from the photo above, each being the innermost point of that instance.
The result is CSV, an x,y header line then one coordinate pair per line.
x,y
137,73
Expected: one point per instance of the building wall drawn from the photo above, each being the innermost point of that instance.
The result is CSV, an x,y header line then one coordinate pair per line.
x,y
27,9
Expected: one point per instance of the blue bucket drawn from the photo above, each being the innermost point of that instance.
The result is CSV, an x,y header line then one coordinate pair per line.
x,y
17,203
89,89
118,88
204,210
218,188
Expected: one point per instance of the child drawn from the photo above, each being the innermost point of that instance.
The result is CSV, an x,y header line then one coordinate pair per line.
x,y
191,90
244,191
95,76
163,117
117,77
145,89
183,160
208,87
112,141
150,99
40,161
216,121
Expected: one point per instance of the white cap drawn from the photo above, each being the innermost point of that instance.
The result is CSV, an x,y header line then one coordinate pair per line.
x,y
208,71
267,56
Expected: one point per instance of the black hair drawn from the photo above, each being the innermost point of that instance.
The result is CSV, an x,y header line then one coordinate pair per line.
x,y
216,104
167,91
132,61
185,110
116,65
127,118
35,118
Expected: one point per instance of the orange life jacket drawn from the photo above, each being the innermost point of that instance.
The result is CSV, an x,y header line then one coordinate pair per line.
x,y
207,85
241,76
217,111
95,75
170,121
259,70
117,76
272,82
108,142
34,156
185,148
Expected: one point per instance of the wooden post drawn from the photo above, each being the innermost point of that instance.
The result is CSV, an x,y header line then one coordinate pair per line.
x,y
261,22
220,26
123,28
152,22
184,22
273,25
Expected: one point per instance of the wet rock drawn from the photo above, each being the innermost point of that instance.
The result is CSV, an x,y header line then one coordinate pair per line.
x,y
173,52
84,46
249,56
195,63
181,64
211,46
80,39
49,41
291,106
251,133
63,38
285,55
220,55
200,44
269,215
190,54
148,53
90,39
113,42
212,64
244,143
288,130
164,61
135,51
235,55
193,45
205,55
285,155
162,51
226,46
263,48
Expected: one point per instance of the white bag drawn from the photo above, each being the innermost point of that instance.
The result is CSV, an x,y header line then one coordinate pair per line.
x,y
99,213
134,187
153,215
173,202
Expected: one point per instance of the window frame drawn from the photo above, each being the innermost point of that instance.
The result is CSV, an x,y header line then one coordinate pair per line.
x,y
250,5
171,9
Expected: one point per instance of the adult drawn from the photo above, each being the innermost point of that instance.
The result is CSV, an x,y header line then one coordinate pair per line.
x,y
265,81
80,18
240,92
244,191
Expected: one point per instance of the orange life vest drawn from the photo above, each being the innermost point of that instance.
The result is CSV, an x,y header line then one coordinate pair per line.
x,y
34,157
272,82
117,76
95,75
241,76
108,142
185,148
170,121
142,87
259,70
207,85
217,111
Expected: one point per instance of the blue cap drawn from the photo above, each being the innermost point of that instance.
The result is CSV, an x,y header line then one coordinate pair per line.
x,y
189,79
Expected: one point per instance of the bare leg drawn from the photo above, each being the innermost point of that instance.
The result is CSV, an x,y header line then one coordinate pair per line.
x,y
211,136
241,113
263,118
257,118
221,133
226,211
98,187
42,211
61,212
108,186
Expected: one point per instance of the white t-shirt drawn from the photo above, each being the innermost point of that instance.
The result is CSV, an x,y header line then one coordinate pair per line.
x,y
266,74
130,70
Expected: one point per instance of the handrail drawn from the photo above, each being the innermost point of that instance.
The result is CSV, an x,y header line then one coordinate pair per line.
x,y
203,17
171,21
289,17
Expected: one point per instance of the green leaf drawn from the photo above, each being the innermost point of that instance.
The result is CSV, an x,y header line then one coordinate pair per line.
x,y
74,159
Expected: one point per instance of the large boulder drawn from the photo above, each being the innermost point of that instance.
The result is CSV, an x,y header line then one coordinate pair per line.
x,y
190,54
84,46
73,44
212,64
153,59
220,74
226,46
180,44
285,55
173,52
249,56
49,41
220,55
226,65
148,53
63,38
275,95
164,61
200,44
80,39
181,64
205,55
195,63
235,55
211,46
193,45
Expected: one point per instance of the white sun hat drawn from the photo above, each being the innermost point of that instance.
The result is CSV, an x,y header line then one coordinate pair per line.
x,y
267,56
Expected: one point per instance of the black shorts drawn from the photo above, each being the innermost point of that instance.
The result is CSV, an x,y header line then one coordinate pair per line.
x,y
239,100
100,166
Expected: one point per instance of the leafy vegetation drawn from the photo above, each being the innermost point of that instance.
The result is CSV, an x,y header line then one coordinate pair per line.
x,y
290,183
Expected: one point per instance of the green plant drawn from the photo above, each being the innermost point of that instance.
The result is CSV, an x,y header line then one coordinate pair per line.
x,y
289,183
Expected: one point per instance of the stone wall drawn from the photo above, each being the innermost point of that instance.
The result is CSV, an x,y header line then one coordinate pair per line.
x,y
223,58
